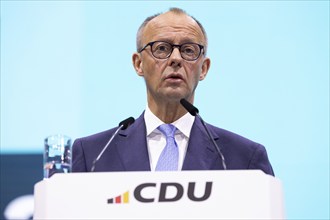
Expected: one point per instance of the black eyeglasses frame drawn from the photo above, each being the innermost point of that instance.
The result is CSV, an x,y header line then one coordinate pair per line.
x,y
201,47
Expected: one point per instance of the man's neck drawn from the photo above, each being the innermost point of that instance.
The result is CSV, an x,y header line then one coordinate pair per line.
x,y
167,112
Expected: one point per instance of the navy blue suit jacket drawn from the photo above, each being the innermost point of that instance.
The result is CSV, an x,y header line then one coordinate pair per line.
x,y
128,150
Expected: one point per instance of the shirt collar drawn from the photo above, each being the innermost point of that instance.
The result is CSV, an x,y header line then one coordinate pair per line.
x,y
183,124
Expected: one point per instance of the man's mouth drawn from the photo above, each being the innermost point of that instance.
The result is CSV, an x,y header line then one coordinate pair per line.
x,y
175,77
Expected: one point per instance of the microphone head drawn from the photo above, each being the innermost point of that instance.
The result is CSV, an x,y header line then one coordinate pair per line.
x,y
189,107
127,122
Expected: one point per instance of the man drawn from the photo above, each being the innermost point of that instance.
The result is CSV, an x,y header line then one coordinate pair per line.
x,y
171,57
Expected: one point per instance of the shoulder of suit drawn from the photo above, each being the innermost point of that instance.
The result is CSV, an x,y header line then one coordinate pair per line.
x,y
109,132
226,135
99,135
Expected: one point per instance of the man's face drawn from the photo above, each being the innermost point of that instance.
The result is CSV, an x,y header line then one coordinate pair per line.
x,y
173,78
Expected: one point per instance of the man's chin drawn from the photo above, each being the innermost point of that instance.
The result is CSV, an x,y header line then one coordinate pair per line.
x,y
175,96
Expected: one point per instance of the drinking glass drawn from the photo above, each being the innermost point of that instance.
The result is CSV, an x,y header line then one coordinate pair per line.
x,y
57,155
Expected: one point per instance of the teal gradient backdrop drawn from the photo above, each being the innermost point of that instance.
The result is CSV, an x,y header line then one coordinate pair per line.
x,y
66,68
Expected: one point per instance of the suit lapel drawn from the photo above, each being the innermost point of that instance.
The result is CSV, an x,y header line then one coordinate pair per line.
x,y
201,154
132,147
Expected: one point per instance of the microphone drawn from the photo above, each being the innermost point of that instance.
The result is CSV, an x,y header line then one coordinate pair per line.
x,y
122,126
194,112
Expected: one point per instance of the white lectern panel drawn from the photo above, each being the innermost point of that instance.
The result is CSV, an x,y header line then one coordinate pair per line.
x,y
248,194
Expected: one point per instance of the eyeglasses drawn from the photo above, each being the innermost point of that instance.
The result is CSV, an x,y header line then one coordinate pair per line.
x,y
163,50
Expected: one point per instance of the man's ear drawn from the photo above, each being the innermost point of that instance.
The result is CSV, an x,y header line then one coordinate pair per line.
x,y
137,63
205,68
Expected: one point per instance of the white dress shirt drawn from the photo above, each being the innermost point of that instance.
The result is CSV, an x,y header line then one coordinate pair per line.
x,y
156,140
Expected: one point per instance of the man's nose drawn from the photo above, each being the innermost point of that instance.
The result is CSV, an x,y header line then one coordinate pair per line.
x,y
175,58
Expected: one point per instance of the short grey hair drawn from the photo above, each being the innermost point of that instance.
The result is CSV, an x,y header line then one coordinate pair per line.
x,y
174,10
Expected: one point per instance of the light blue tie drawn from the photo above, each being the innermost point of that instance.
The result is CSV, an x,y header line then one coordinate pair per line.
x,y
168,159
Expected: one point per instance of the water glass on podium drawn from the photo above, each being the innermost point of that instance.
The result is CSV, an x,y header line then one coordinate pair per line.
x,y
57,155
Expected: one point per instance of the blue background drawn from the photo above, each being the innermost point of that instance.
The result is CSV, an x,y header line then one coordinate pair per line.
x,y
66,68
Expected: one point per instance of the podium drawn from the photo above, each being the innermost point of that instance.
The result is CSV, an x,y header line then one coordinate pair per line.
x,y
231,194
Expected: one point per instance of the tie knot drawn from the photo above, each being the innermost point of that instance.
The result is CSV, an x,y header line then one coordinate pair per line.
x,y
168,130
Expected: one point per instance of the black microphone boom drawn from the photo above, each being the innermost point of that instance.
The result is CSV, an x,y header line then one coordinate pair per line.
x,y
189,107
122,126
127,122
194,112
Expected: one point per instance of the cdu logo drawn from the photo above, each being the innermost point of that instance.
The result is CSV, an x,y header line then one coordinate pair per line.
x,y
124,198
161,193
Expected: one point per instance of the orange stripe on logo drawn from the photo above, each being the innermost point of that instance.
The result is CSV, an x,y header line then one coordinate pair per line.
x,y
118,199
